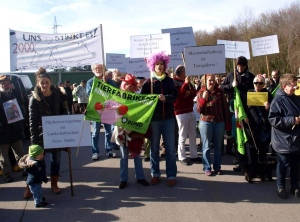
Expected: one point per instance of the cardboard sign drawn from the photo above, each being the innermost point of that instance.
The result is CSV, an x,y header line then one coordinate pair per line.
x,y
234,49
265,45
205,59
115,61
66,131
257,98
142,46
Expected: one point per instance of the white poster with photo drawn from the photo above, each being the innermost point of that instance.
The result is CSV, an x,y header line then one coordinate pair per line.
x,y
66,131
205,59
137,67
12,111
265,45
115,61
33,50
180,38
142,46
234,49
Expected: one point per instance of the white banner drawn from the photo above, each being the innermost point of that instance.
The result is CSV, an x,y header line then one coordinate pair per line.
x,y
234,49
265,45
115,61
205,59
34,50
66,131
142,46
175,60
180,38
137,67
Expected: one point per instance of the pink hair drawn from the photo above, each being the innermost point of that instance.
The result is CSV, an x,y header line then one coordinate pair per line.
x,y
123,86
156,57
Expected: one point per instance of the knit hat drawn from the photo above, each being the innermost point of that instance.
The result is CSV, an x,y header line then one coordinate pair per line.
x,y
242,61
35,150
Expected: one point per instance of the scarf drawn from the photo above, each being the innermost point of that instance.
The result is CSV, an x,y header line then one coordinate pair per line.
x,y
160,78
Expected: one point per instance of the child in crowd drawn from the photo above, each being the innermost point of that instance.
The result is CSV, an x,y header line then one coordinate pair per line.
x,y
35,166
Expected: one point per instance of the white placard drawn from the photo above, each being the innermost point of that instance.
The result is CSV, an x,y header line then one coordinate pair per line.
x,y
265,45
34,50
180,38
142,46
65,131
115,61
137,67
175,59
205,59
234,49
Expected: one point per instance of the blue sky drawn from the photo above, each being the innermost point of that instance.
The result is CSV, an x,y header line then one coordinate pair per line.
x,y
121,19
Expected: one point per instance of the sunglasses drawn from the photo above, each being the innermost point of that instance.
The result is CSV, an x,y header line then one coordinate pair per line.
x,y
258,83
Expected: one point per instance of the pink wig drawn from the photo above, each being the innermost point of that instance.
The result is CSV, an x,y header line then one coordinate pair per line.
x,y
156,57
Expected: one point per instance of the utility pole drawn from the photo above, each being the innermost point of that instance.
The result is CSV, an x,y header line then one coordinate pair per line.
x,y
55,26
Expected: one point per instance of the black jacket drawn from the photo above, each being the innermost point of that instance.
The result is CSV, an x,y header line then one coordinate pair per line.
x,y
283,110
38,107
167,88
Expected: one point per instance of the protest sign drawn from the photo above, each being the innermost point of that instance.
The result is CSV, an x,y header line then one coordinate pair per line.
x,y
115,61
111,105
234,49
66,131
137,67
142,46
12,111
205,59
34,50
265,45
257,98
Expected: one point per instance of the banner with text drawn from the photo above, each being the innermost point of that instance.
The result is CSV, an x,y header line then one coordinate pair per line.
x,y
66,131
115,61
142,46
34,50
265,45
111,105
234,49
137,67
205,59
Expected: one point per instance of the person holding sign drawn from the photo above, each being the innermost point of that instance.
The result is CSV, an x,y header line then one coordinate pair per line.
x,y
11,133
215,118
284,118
259,125
163,119
46,100
131,143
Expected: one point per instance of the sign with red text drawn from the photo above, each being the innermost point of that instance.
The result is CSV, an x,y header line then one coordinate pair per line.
x,y
265,45
33,50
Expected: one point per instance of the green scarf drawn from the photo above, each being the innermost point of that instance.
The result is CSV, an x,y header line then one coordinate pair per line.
x,y
160,78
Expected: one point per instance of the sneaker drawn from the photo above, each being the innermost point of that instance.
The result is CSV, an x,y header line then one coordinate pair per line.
x,y
296,192
184,162
41,204
281,193
8,179
95,156
154,180
16,168
207,172
122,184
110,154
171,183
146,158
143,182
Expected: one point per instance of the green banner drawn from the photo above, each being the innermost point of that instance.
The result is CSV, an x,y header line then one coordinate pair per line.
x,y
241,137
111,105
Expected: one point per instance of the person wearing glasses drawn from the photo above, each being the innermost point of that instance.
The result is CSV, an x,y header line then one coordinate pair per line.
x,y
259,124
284,118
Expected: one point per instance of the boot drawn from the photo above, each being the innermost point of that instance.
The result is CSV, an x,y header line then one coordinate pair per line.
x,y
54,187
27,194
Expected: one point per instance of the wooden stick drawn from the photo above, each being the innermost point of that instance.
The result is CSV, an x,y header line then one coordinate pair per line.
x,y
234,71
80,139
252,136
183,59
268,67
71,176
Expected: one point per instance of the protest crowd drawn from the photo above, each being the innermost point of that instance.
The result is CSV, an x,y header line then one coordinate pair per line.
x,y
260,137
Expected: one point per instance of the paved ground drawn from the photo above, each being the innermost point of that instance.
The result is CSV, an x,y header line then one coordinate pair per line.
x,y
195,197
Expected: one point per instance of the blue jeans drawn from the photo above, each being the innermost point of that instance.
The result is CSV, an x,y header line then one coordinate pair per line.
x,y
96,134
138,165
166,128
55,161
285,161
36,190
212,132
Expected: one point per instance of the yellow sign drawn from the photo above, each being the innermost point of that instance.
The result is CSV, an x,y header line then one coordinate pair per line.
x,y
257,98
297,92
